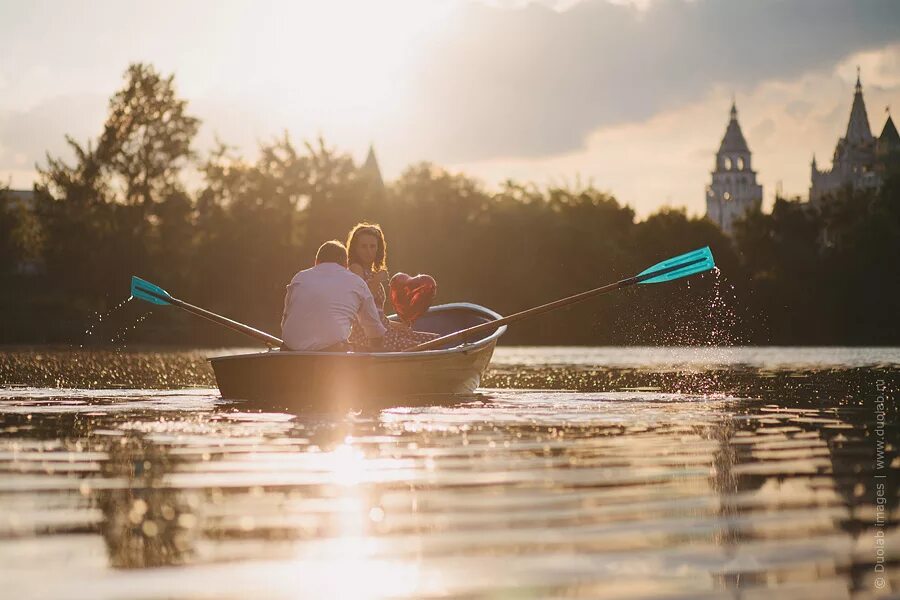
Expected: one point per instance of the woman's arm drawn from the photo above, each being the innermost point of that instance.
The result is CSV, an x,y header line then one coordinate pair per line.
x,y
374,282
358,270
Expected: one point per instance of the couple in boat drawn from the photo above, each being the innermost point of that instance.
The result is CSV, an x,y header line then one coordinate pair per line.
x,y
338,305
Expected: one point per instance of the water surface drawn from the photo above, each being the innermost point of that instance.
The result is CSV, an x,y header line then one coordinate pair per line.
x,y
627,473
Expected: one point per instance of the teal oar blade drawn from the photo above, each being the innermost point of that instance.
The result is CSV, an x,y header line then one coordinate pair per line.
x,y
686,264
144,290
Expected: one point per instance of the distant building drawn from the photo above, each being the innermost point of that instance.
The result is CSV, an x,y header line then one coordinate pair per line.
x,y
13,198
371,171
887,149
733,191
859,158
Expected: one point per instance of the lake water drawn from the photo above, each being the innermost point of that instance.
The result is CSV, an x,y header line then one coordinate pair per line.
x,y
613,472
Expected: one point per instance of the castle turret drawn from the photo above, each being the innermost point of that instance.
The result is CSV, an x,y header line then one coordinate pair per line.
x,y
858,131
853,166
888,145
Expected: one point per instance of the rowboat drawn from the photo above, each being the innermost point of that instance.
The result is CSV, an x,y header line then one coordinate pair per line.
x,y
452,364
327,381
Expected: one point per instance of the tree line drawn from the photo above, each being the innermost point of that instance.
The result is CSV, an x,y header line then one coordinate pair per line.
x,y
232,239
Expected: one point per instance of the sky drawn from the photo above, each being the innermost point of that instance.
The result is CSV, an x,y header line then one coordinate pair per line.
x,y
630,96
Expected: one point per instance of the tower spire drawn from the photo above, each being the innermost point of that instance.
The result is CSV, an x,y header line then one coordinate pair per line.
x,y
858,127
371,169
734,138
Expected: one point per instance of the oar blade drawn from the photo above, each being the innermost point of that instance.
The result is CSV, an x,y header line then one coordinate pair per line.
x,y
690,263
144,290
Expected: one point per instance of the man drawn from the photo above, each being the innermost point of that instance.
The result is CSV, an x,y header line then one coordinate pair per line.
x,y
322,302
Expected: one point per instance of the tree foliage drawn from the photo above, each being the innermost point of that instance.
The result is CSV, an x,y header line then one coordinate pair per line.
x,y
147,137
121,207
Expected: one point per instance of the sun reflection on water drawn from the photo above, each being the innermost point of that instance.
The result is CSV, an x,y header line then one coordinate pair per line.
x,y
351,564
761,489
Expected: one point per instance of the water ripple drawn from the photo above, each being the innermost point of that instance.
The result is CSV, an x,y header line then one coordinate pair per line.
x,y
760,488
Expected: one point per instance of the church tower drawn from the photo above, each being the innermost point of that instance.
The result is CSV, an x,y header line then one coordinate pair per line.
x,y
733,191
371,171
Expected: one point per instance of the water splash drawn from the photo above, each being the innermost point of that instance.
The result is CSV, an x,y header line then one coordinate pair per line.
x,y
119,336
702,312
720,333
98,317
722,312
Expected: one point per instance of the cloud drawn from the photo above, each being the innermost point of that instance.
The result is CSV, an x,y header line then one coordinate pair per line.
x,y
763,130
667,158
798,108
631,93
534,82
27,135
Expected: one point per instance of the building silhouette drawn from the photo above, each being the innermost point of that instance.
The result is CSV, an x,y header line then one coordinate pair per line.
x,y
887,149
859,160
734,191
18,198
371,171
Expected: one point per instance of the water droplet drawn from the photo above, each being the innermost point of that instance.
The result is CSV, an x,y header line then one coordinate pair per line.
x,y
150,528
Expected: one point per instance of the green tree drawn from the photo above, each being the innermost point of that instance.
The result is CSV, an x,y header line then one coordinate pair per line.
x,y
248,219
119,208
782,252
73,207
19,236
147,137
796,275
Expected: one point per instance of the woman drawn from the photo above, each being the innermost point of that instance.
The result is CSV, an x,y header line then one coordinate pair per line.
x,y
367,252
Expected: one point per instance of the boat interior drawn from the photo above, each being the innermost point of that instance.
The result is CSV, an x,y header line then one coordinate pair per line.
x,y
449,318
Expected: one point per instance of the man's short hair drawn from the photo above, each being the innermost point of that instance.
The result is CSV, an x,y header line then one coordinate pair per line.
x,y
332,251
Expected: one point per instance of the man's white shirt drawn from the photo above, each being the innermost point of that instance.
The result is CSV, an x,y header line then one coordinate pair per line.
x,y
321,304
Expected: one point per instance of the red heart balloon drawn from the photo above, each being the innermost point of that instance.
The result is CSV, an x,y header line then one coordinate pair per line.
x,y
411,296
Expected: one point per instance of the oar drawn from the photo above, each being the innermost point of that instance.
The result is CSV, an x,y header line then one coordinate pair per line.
x,y
674,268
154,294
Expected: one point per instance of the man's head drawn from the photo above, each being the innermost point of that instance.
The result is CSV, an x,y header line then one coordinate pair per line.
x,y
333,252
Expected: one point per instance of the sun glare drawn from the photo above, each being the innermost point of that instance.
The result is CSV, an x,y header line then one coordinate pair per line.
x,y
376,570
344,58
347,465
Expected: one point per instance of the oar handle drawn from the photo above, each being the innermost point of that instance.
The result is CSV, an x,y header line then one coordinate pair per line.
x,y
269,340
531,312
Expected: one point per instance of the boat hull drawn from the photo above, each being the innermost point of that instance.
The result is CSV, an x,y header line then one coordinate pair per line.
x,y
326,381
